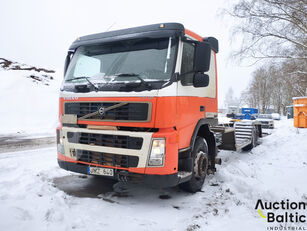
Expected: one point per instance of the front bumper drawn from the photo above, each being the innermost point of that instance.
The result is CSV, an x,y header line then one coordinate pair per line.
x,y
69,150
154,181
142,153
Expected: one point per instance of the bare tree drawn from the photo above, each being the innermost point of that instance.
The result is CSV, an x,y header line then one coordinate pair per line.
x,y
275,30
261,88
274,85
295,74
272,28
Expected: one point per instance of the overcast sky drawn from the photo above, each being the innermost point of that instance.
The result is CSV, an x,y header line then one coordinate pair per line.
x,y
39,32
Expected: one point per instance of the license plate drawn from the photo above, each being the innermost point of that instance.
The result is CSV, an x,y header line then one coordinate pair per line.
x,y
101,171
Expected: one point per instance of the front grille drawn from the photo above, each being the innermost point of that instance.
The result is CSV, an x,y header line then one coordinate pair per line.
x,y
107,159
129,111
115,141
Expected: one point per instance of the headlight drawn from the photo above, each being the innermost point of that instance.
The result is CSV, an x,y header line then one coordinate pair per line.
x,y
59,140
59,137
157,152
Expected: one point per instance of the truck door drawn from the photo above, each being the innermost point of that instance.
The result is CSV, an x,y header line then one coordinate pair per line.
x,y
193,103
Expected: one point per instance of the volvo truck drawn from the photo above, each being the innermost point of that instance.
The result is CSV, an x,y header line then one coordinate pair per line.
x,y
140,105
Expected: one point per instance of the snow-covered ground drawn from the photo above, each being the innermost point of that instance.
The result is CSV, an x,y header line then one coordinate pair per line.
x,y
29,101
35,194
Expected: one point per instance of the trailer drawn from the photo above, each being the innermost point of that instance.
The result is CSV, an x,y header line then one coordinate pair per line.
x,y
140,105
242,135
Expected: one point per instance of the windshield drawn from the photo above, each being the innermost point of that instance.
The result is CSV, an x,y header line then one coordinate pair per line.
x,y
151,60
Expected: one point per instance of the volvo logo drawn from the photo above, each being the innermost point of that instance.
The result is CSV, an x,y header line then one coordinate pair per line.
x,y
101,111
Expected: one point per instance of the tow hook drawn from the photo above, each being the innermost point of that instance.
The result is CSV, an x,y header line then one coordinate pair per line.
x,y
122,176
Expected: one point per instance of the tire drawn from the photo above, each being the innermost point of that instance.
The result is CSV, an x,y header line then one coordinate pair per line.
x,y
201,165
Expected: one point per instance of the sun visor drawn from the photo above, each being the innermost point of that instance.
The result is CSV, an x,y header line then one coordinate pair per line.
x,y
153,31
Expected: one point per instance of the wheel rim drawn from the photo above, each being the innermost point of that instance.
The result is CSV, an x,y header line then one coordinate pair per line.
x,y
200,165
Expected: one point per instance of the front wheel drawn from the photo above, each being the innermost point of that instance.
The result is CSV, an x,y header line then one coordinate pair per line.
x,y
200,168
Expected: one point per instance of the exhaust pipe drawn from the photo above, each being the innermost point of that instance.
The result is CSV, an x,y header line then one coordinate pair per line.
x,y
218,161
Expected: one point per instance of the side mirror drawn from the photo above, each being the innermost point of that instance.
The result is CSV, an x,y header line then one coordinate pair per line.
x,y
202,57
213,42
200,80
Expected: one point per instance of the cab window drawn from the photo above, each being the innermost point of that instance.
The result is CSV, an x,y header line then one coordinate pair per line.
x,y
187,64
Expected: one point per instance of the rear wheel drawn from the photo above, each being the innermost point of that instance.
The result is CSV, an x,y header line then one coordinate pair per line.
x,y
200,169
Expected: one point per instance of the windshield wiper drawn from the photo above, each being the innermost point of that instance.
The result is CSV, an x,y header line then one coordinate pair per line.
x,y
87,79
148,85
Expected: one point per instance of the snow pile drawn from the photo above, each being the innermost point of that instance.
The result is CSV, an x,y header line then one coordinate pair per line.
x,y
279,161
35,194
28,99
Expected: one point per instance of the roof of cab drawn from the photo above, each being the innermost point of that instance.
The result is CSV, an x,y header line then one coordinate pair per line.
x,y
161,30
150,31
